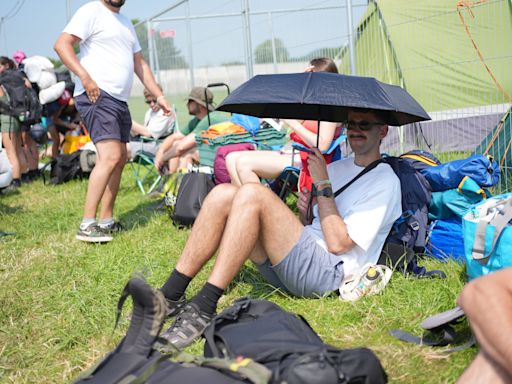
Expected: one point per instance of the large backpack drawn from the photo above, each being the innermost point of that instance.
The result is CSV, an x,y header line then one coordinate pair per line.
x,y
408,236
64,168
135,359
23,103
287,345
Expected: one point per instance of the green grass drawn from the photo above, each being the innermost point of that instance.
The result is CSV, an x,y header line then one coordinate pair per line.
x,y
58,296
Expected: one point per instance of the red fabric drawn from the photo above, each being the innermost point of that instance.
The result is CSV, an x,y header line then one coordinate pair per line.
x,y
305,180
220,170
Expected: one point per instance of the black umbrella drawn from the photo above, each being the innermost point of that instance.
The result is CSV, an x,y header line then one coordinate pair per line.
x,y
321,96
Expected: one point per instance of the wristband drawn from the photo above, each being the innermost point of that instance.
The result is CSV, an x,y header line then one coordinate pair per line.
x,y
160,97
322,182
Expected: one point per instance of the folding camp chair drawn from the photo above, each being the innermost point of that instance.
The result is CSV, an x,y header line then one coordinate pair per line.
x,y
143,163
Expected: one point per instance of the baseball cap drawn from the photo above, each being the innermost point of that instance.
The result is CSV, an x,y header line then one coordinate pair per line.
x,y
197,94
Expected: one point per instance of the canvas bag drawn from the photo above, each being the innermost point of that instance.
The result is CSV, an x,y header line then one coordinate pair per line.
x,y
488,236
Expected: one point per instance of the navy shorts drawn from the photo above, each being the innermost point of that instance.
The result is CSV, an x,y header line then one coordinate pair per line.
x,y
307,271
106,119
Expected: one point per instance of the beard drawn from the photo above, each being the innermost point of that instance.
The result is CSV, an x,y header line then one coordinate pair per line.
x,y
116,3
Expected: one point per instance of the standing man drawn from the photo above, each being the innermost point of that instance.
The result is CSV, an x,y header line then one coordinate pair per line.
x,y
109,54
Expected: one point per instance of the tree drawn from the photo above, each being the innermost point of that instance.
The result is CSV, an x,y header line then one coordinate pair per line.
x,y
169,57
263,52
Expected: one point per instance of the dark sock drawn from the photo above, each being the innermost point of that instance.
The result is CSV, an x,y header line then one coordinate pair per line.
x,y
175,285
16,182
207,298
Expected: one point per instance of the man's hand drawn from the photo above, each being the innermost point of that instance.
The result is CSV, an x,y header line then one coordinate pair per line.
x,y
317,166
162,103
159,162
303,204
91,88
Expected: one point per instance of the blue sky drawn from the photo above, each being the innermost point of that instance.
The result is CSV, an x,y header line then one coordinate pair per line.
x,y
34,25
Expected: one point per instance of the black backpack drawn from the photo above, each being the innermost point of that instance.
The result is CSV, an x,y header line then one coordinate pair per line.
x,y
64,168
287,345
191,194
134,360
23,103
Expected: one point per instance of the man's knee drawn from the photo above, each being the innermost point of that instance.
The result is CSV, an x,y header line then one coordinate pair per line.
x,y
221,196
254,194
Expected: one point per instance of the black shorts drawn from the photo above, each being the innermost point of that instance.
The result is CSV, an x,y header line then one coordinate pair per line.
x,y
106,119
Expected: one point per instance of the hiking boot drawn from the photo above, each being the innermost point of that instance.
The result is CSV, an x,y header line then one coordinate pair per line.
x,y
11,188
115,227
93,234
175,307
188,327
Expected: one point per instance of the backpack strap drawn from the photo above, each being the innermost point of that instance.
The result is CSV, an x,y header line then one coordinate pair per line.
x,y
247,368
362,173
309,215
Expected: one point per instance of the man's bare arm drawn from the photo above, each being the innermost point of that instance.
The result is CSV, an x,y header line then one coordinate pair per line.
x,y
64,48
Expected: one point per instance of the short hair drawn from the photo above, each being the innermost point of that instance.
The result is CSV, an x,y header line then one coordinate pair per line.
x,y
323,64
4,60
147,93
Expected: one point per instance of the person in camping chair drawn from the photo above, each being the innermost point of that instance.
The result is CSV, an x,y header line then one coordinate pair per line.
x,y
180,148
306,259
487,302
156,126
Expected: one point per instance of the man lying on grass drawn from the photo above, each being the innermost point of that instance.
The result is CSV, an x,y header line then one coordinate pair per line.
x,y
307,260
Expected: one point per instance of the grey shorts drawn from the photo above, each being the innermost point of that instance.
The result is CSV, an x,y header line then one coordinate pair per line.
x,y
308,270
107,118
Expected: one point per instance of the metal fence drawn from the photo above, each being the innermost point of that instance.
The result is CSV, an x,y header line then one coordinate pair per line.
x,y
453,56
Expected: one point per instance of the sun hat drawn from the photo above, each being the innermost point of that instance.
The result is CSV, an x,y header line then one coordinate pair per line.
x,y
197,94
19,56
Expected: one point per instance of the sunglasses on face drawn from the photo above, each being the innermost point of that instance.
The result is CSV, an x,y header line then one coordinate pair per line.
x,y
151,101
361,125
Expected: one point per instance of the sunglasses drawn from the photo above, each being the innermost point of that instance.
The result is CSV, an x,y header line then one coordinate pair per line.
x,y
361,125
150,101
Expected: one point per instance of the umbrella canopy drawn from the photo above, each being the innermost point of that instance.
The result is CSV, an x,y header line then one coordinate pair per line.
x,y
321,96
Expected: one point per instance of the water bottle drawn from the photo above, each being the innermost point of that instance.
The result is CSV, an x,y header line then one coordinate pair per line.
x,y
369,283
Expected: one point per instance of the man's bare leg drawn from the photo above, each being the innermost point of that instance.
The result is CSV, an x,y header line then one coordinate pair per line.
x,y
257,214
258,224
487,301
483,370
110,153
110,194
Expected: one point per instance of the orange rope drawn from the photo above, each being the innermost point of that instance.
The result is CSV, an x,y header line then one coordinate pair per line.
x,y
468,4
494,137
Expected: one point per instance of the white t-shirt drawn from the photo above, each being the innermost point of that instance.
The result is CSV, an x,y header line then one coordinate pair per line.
x,y
369,208
108,43
158,124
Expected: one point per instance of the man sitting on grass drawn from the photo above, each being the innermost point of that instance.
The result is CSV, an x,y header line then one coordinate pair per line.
x,y
307,260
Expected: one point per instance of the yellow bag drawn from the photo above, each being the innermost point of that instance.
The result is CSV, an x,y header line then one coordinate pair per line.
x,y
74,143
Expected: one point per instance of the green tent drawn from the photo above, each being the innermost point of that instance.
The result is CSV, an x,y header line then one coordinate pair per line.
x,y
498,144
425,47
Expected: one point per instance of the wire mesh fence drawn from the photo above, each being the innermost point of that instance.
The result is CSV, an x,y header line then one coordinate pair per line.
x,y
453,56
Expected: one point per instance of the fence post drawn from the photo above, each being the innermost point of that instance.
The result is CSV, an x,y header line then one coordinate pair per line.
x,y
247,35
274,54
150,46
189,43
350,26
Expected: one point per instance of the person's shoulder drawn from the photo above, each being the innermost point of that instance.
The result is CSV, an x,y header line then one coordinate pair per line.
x,y
91,7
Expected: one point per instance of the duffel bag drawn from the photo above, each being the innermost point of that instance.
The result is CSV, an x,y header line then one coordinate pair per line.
x,y
191,194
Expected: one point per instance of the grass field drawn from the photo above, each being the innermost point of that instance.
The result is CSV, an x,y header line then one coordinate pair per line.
x,y
58,296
